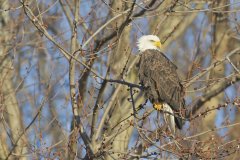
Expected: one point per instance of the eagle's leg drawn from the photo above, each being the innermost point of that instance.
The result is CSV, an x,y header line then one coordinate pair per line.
x,y
158,106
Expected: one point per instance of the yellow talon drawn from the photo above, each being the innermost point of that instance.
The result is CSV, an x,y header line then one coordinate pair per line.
x,y
158,106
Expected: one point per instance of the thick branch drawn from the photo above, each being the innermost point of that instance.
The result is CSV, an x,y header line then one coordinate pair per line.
x,y
222,86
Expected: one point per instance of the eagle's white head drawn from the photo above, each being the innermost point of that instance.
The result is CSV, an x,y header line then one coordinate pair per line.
x,y
149,42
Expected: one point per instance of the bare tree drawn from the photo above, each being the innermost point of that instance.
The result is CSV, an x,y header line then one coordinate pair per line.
x,y
69,85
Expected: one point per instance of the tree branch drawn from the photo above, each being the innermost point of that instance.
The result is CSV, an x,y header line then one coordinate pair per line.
x,y
195,78
199,103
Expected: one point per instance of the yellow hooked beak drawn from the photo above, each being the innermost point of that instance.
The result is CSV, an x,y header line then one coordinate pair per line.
x,y
158,44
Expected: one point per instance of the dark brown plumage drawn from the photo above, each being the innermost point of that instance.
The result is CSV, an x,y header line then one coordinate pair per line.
x,y
161,83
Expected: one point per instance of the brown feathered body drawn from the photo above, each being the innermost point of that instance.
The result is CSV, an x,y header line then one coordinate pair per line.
x,y
161,83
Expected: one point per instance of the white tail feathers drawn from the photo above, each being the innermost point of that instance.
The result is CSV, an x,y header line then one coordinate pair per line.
x,y
168,117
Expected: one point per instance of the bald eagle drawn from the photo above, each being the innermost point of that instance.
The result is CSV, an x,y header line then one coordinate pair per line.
x,y
160,81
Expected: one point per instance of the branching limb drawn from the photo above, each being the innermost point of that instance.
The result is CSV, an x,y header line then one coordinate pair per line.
x,y
198,76
222,86
77,125
42,30
112,99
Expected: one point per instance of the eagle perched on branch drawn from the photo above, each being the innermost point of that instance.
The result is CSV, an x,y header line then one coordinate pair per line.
x,y
161,83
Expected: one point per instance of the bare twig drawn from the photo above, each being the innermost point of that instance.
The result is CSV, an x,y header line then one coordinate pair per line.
x,y
133,103
193,79
103,26
131,85
193,108
28,126
42,30
236,69
67,13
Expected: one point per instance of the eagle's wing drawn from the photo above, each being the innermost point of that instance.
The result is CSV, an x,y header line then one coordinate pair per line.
x,y
159,77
